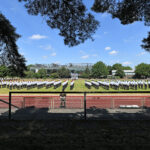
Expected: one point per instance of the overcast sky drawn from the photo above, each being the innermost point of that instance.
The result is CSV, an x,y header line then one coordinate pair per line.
x,y
114,43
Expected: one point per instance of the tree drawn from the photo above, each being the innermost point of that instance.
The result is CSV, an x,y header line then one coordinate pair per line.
x,y
13,72
29,66
76,25
29,74
146,43
37,75
63,72
120,73
117,66
142,70
70,65
127,11
99,70
69,16
42,73
127,68
3,71
86,73
87,70
55,65
54,75
109,68
9,55
72,20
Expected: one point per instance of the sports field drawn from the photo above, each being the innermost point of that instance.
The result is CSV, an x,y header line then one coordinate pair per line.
x,y
79,85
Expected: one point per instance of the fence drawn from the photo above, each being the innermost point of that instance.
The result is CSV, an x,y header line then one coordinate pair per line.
x,y
82,101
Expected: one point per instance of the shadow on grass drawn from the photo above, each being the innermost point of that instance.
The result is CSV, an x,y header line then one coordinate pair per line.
x,y
42,133
33,113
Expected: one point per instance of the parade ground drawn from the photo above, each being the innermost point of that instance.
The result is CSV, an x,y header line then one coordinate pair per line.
x,y
79,85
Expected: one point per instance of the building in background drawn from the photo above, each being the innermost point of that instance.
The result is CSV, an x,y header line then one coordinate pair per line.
x,y
128,73
73,67
74,76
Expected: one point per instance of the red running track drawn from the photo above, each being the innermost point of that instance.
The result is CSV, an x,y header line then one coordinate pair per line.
x,y
54,102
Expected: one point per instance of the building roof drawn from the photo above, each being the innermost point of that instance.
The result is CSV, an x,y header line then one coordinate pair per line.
x,y
125,71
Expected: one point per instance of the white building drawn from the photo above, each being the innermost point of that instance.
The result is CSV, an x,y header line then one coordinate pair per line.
x,y
74,76
127,72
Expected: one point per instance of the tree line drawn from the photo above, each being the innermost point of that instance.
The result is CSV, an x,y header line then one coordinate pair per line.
x,y
99,70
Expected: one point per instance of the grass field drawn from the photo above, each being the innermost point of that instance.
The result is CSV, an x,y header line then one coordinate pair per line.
x,y
78,86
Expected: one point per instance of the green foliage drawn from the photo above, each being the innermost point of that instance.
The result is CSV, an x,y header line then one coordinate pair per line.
x,y
76,25
142,70
127,11
68,16
87,70
42,73
54,75
3,71
12,72
29,74
9,51
109,68
99,70
120,73
117,66
86,73
127,68
146,43
29,66
63,72
37,75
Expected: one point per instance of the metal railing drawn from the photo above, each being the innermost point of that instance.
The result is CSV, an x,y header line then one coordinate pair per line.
x,y
84,94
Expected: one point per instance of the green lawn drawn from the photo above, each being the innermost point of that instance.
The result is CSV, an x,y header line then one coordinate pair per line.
x,y
79,86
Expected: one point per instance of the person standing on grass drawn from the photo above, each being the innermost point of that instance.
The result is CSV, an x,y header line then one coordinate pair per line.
x,y
63,100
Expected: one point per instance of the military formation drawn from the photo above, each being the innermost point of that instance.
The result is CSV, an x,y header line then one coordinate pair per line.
x,y
64,84
88,84
119,84
71,84
21,84
105,84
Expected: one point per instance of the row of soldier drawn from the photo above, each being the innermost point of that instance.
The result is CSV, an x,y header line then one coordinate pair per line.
x,y
34,84
126,85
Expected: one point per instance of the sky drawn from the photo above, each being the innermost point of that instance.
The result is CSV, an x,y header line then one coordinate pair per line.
x,y
114,43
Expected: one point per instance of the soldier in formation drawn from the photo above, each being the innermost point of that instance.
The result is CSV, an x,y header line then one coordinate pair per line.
x,y
119,84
